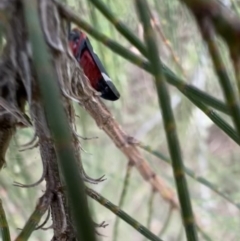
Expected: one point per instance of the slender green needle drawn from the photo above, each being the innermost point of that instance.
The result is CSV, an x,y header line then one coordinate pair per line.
x,y
169,122
120,26
124,216
122,198
34,219
192,174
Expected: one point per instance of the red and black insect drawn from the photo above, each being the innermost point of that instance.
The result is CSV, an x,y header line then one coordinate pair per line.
x,y
91,65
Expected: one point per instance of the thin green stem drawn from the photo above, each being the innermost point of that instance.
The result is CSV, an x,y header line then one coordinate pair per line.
x,y
115,60
4,229
120,213
225,23
204,235
58,123
222,124
95,23
192,174
120,26
166,223
165,40
169,122
150,209
122,198
34,219
230,94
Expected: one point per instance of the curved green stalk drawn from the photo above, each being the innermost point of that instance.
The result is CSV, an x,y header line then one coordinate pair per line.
x,y
114,58
166,223
230,94
222,124
169,122
95,23
124,216
121,27
4,229
204,235
194,92
34,219
162,35
150,209
193,175
122,198
209,24
58,123
187,90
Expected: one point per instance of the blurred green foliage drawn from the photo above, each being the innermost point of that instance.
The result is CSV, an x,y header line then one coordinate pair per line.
x,y
206,149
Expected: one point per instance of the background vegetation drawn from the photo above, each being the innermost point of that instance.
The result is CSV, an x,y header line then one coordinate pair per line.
x,y
206,149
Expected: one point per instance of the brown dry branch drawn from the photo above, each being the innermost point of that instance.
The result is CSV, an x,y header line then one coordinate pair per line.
x,y
82,92
79,90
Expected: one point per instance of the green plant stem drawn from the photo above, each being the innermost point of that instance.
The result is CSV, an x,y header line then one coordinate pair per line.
x,y
4,229
124,216
114,58
216,19
166,223
95,23
169,122
122,198
150,209
120,26
222,124
204,235
34,219
192,174
228,89
58,123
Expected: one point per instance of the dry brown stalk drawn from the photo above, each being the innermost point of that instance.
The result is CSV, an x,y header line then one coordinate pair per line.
x,y
89,99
